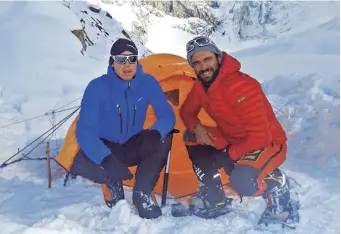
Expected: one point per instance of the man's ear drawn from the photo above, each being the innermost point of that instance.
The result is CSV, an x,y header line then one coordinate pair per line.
x,y
220,58
111,61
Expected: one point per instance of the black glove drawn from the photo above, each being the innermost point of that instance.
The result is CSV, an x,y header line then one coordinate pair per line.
x,y
114,169
223,158
190,137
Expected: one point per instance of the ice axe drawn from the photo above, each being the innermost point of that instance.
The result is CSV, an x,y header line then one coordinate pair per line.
x,y
166,174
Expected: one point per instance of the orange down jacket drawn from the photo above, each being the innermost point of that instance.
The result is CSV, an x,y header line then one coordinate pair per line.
x,y
239,107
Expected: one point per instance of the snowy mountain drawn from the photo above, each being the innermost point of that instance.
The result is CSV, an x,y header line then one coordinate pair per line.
x,y
229,22
49,51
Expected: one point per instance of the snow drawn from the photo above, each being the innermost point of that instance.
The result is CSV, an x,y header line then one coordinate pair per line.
x,y
42,68
161,31
167,42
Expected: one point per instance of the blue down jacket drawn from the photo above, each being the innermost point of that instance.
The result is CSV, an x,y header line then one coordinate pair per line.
x,y
115,109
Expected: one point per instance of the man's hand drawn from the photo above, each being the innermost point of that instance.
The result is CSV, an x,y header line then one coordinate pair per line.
x,y
203,136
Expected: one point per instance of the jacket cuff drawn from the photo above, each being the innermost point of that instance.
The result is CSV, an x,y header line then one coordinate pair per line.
x,y
101,155
233,154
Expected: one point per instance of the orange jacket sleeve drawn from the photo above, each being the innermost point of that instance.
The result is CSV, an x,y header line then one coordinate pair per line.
x,y
247,99
190,108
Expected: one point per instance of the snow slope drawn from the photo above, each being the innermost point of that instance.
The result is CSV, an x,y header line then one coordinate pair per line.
x,y
44,69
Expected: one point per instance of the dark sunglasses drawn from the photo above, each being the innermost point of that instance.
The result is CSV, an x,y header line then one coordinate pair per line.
x,y
122,59
201,41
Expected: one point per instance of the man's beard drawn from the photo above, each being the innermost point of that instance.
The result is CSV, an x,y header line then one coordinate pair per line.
x,y
210,79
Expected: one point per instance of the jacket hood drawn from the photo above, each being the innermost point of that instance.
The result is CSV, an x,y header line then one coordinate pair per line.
x,y
229,65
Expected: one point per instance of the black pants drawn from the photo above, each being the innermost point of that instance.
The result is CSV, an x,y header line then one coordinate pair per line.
x,y
206,160
149,157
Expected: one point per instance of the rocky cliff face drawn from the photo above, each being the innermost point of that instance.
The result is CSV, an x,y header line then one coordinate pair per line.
x,y
184,9
233,20
199,15
99,27
247,19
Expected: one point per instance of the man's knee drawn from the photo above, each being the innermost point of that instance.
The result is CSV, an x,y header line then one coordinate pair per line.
x,y
165,146
243,179
150,144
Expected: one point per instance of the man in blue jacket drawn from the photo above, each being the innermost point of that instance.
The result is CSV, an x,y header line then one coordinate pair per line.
x,y
110,129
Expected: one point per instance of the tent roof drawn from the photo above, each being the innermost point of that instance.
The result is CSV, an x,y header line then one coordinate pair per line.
x,y
164,65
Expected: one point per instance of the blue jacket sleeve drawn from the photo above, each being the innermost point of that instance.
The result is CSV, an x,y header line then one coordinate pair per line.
x,y
88,125
164,113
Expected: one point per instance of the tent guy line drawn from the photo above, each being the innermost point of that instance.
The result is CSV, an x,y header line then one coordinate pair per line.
x,y
24,156
51,112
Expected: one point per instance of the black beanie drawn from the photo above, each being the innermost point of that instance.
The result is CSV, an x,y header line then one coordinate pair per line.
x,y
122,45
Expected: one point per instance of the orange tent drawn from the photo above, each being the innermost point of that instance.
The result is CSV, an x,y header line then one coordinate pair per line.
x,y
176,79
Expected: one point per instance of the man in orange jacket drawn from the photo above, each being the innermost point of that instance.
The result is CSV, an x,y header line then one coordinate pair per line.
x,y
248,141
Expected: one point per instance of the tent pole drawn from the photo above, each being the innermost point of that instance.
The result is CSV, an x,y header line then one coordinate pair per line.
x,y
48,164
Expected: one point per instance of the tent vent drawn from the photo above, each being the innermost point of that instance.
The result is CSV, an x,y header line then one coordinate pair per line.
x,y
173,96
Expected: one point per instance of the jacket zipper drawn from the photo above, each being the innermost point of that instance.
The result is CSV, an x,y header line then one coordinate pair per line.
x,y
126,96
120,114
135,107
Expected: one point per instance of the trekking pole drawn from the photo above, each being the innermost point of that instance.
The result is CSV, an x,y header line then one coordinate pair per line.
x,y
166,174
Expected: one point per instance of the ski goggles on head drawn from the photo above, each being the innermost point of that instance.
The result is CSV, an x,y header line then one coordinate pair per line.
x,y
122,59
200,41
